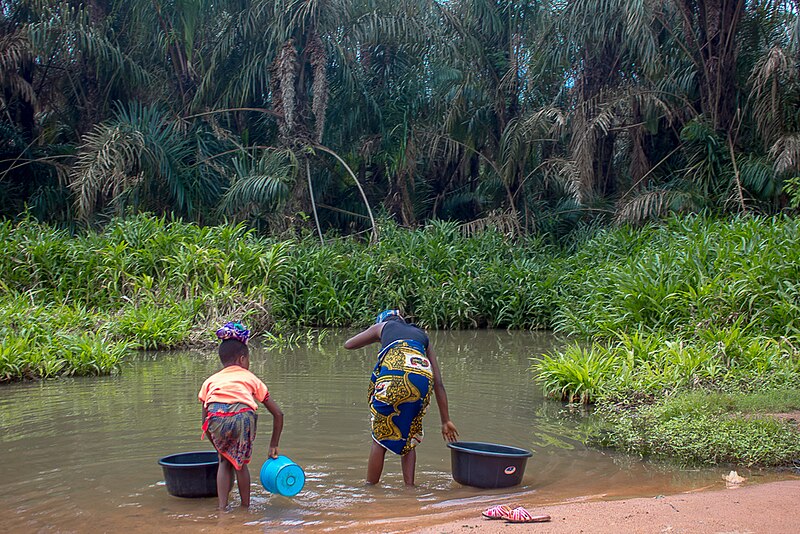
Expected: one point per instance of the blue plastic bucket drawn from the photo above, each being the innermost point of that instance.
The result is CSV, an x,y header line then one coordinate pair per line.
x,y
282,476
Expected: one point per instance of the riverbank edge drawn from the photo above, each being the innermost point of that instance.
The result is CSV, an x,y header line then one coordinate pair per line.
x,y
768,507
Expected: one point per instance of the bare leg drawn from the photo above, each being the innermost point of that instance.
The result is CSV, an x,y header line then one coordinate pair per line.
x,y
375,465
224,481
243,478
408,462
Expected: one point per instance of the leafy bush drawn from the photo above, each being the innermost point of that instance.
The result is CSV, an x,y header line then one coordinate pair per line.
x,y
658,363
151,327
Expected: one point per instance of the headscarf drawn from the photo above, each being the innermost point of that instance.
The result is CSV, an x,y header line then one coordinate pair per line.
x,y
234,330
384,315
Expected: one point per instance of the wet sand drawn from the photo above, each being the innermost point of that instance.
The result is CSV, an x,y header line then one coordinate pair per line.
x,y
758,508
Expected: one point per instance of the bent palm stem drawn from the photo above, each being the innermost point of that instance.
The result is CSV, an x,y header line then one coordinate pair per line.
x,y
358,184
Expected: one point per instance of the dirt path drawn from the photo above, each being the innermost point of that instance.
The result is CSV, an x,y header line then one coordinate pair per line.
x,y
761,508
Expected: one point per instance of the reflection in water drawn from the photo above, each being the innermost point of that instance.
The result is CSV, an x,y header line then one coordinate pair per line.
x,y
81,454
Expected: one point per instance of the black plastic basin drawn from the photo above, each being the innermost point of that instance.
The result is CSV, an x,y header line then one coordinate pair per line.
x,y
487,465
191,474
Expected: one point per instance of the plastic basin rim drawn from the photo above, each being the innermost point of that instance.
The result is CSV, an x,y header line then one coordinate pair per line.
x,y
514,452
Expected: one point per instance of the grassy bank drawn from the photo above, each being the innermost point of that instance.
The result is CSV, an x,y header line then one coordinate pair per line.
x,y
695,304
703,427
149,283
688,275
678,313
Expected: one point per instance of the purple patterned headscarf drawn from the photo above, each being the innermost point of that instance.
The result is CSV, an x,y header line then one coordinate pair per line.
x,y
234,330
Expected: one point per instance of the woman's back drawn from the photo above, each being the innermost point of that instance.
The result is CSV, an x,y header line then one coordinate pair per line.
x,y
395,329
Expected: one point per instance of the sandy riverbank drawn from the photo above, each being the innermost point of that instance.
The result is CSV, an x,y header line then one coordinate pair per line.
x,y
758,508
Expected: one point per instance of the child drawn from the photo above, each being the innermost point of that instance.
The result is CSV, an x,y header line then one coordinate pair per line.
x,y
230,399
400,389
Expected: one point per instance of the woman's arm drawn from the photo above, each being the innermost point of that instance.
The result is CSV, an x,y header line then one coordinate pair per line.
x,y
277,426
365,337
449,431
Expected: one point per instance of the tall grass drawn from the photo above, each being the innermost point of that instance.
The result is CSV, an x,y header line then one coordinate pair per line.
x,y
691,273
156,283
43,341
439,277
657,364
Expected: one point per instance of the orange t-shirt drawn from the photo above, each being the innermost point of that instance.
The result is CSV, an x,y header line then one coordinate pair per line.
x,y
233,384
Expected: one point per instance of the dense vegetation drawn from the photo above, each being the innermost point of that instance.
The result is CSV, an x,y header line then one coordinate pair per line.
x,y
146,282
526,116
703,279
547,133
530,125
698,304
695,305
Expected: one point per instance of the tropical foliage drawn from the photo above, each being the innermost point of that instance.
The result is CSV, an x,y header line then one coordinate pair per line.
x,y
699,301
523,116
679,315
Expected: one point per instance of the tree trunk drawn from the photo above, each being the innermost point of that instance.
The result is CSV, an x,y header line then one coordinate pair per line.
x,y
591,148
640,163
710,27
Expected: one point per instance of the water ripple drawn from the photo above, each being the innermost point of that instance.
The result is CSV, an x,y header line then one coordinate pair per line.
x,y
85,450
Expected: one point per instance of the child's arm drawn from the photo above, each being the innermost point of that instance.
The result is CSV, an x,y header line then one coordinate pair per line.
x,y
277,426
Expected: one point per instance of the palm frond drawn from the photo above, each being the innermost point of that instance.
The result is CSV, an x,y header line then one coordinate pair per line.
x,y
265,182
654,204
139,155
785,152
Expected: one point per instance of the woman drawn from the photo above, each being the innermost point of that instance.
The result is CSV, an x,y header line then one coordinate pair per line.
x,y
399,392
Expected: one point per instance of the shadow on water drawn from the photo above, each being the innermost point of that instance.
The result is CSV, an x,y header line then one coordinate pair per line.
x,y
81,454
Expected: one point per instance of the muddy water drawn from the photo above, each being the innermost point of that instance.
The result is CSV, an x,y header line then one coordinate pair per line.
x,y
81,454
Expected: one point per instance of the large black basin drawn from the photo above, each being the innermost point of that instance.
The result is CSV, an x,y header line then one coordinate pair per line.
x,y
191,474
487,465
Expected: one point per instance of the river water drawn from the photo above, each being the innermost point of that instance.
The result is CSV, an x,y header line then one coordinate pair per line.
x,y
81,453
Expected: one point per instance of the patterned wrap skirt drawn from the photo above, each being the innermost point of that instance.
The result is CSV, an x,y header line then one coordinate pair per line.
x,y
232,428
399,393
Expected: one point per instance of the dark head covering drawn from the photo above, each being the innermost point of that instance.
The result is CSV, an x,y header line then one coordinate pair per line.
x,y
384,315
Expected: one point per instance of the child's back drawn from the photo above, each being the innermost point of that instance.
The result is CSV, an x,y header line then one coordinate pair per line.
x,y
230,399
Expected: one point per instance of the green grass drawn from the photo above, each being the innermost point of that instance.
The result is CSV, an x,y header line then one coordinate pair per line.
x,y
692,272
702,428
152,327
762,402
694,302
655,364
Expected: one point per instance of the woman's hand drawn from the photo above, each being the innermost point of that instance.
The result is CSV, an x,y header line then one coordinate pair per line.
x,y
449,431
273,452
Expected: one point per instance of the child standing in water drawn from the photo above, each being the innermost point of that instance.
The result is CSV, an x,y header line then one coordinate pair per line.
x,y
230,399
399,392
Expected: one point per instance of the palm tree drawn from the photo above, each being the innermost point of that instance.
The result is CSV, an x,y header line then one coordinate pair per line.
x,y
143,159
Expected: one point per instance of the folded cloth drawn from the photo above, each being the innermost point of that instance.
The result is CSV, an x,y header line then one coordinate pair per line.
x,y
232,428
399,393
